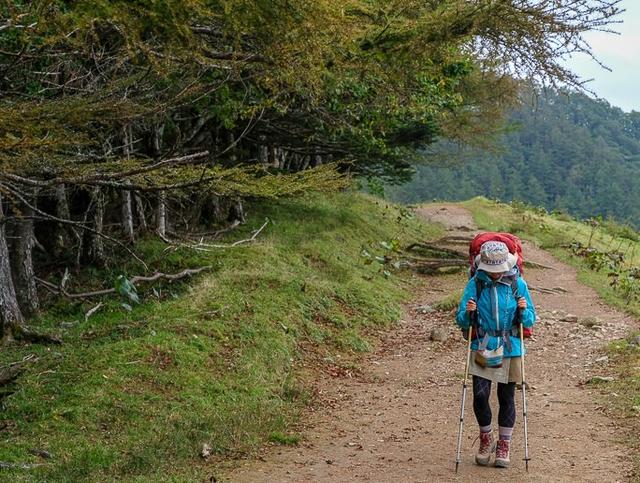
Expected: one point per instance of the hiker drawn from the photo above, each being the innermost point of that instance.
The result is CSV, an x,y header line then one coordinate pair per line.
x,y
495,295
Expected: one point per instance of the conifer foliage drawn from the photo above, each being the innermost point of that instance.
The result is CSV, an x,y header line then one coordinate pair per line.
x,y
118,116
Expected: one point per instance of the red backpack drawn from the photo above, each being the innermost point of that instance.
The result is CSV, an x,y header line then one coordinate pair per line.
x,y
513,244
515,247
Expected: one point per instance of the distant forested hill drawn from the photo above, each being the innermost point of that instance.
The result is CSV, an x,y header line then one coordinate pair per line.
x,y
567,152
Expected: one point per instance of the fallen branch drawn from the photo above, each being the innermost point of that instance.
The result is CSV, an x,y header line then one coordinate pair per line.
x,y
171,277
20,466
25,359
206,247
214,234
253,237
92,311
138,278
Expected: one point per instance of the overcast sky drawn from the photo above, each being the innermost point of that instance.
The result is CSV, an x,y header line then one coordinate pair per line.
x,y
621,53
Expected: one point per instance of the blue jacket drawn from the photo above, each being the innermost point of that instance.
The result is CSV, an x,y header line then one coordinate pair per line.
x,y
496,309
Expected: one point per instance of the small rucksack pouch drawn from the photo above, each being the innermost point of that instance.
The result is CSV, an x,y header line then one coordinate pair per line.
x,y
491,359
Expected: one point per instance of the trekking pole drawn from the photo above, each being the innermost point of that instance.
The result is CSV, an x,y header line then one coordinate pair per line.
x,y
524,400
473,315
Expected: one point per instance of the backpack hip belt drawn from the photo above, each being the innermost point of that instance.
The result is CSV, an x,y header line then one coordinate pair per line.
x,y
505,334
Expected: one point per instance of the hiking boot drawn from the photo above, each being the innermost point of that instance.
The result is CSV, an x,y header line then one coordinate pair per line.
x,y
486,448
502,453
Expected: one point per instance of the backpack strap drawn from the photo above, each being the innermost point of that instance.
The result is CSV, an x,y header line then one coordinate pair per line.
x,y
479,287
480,333
514,323
484,335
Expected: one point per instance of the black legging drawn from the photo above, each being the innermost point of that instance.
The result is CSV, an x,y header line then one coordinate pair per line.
x,y
506,398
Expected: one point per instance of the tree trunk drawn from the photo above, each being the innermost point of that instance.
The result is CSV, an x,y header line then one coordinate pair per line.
x,y
264,155
142,220
162,214
232,157
10,315
97,243
236,213
126,205
127,216
273,157
157,139
216,209
263,150
63,233
22,262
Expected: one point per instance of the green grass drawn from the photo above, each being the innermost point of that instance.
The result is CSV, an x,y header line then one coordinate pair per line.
x,y
625,360
552,232
449,302
133,396
284,439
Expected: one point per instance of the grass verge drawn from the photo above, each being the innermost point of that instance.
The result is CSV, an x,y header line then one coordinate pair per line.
x,y
624,391
135,395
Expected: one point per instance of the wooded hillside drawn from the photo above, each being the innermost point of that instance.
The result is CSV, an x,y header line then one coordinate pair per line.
x,y
563,151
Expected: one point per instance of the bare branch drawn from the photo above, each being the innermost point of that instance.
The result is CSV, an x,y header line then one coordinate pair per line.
x,y
137,279
206,247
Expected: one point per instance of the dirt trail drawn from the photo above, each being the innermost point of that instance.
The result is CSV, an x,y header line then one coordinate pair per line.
x,y
398,419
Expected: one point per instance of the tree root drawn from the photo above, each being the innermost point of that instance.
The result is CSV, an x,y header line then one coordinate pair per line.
x,y
554,290
432,247
538,265
454,240
26,334
433,265
9,374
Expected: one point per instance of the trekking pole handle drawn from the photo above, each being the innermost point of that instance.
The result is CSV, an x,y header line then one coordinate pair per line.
x,y
519,311
473,315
